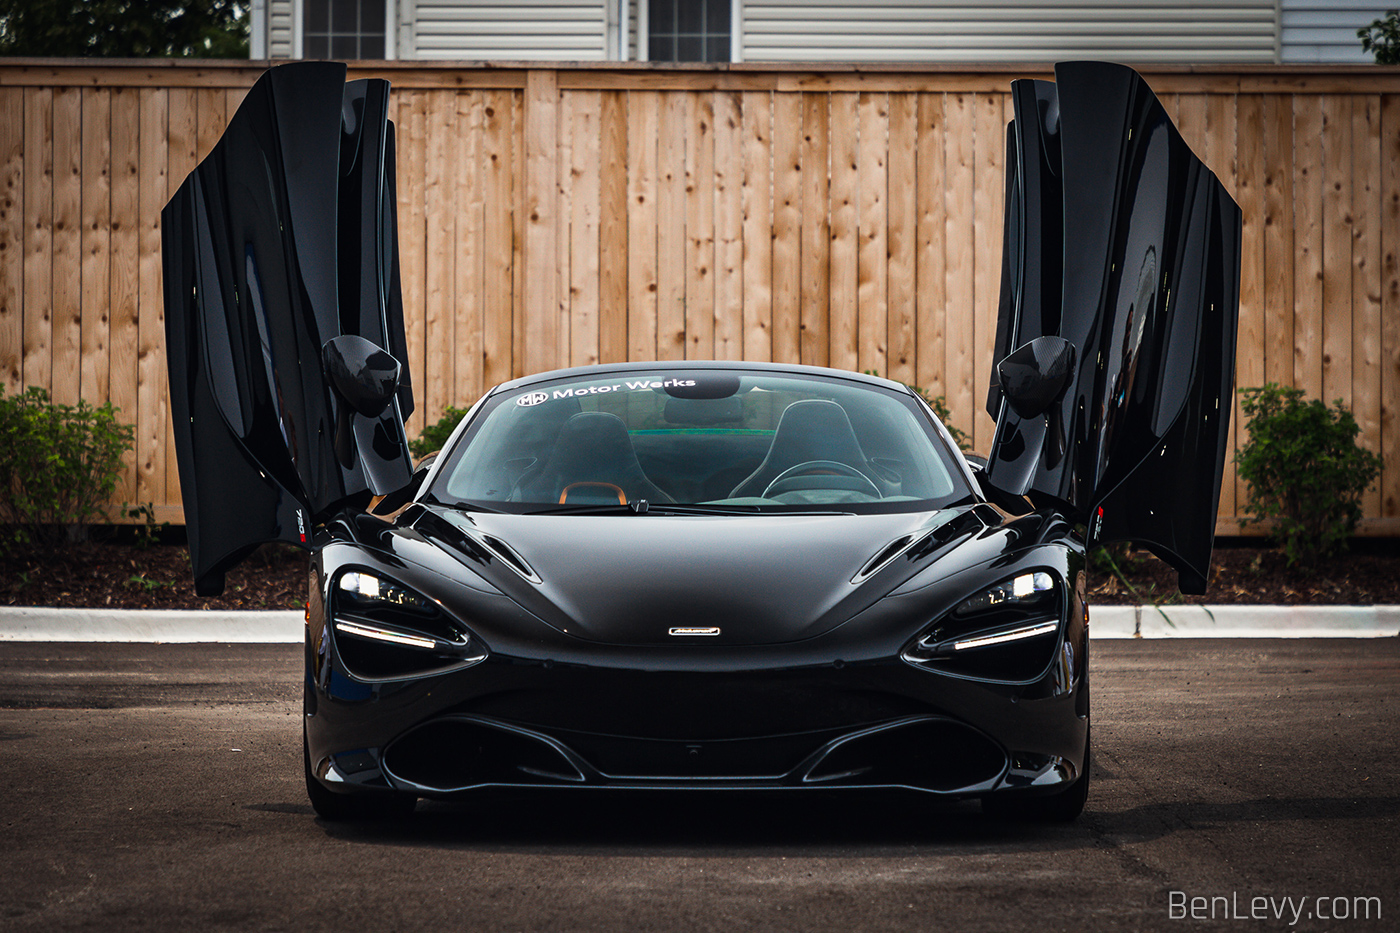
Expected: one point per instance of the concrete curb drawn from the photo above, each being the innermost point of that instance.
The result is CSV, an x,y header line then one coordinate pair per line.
x,y
286,627
1244,621
139,625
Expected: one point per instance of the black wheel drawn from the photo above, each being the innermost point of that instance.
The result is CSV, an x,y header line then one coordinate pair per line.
x,y
1063,807
332,806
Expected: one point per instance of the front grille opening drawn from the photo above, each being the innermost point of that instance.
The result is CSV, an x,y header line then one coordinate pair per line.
x,y
936,755
452,754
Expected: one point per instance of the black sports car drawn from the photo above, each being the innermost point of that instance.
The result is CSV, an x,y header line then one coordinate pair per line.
x,y
700,574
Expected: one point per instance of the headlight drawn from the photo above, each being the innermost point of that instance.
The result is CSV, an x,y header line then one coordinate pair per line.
x,y
386,630
1006,632
1028,589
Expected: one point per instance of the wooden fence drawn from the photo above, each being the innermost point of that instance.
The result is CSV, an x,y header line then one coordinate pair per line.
x,y
848,217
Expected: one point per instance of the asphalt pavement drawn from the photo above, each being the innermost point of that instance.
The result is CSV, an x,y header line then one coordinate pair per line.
x,y
1238,784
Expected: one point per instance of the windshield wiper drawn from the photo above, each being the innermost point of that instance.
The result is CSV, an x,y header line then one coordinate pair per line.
x,y
635,507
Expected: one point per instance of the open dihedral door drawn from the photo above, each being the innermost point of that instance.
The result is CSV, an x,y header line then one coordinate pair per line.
x,y
1115,342
284,326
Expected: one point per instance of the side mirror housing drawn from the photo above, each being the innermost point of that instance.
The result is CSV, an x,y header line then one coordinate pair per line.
x,y
363,375
1033,376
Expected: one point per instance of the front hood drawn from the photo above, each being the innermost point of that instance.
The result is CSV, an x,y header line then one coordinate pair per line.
x,y
636,580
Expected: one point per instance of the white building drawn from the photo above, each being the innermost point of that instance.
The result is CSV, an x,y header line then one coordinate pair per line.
x,y
1203,31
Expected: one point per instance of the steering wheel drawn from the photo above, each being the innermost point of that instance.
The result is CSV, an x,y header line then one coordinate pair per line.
x,y
822,474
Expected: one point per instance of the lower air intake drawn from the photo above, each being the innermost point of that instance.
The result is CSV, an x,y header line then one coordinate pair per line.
x,y
928,754
455,754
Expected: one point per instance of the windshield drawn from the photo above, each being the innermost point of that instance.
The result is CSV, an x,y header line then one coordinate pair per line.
x,y
739,440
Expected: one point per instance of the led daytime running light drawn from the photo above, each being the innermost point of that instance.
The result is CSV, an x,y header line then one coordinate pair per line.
x,y
379,634
1001,638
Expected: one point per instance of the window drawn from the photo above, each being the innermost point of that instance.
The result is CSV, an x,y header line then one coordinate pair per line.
x,y
343,29
688,30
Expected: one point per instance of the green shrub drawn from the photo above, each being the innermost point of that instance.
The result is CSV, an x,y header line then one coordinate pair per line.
x,y
58,464
1304,470
1382,38
435,435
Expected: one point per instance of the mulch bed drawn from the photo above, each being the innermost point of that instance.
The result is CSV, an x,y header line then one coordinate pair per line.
x,y
119,574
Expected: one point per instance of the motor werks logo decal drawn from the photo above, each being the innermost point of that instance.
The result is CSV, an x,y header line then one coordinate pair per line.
x,y
530,399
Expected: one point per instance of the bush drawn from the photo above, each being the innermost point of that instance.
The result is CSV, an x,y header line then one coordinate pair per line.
x,y
1382,38
1304,470
434,436
58,464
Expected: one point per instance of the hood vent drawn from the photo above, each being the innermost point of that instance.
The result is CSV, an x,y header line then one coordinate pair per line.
x,y
887,556
506,554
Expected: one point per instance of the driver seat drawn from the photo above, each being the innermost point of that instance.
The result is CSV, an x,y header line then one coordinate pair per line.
x,y
812,429
593,461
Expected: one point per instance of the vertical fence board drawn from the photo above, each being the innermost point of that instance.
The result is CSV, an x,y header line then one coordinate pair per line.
x,y
563,220
1251,356
498,239
12,229
540,276
872,261
517,164
958,263
150,352
700,226
182,149
126,251
1365,292
815,275
902,356
584,268
987,209
409,136
787,228
1278,238
438,314
758,225
729,227
670,233
930,274
468,253
1336,249
38,236
1389,287
1307,244
96,242
844,322
613,232
643,123
66,243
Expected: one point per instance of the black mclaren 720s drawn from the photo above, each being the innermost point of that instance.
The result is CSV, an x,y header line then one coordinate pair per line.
x,y
687,575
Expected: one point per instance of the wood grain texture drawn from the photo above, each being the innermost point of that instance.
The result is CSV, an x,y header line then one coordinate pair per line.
x,y
643,124
540,276
66,243
1277,177
468,261
152,410
439,227
1365,283
843,318
38,237
498,239
902,355
1308,183
1336,249
126,251
1389,287
700,226
757,206
959,213
613,232
787,228
670,233
930,274
816,229
872,225
12,229
585,192
729,227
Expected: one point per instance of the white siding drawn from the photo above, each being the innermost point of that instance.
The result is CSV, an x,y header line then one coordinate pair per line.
x,y
1325,30
517,30
1020,30
279,28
